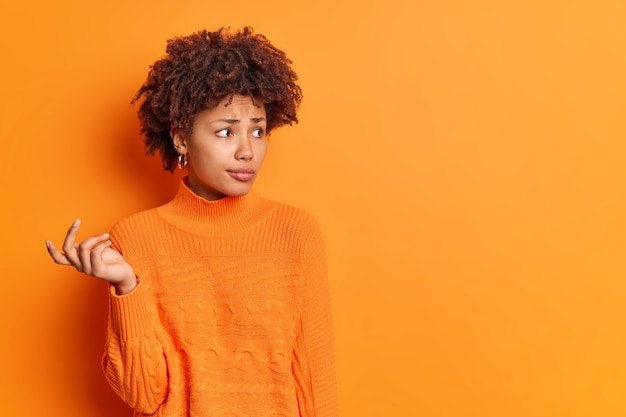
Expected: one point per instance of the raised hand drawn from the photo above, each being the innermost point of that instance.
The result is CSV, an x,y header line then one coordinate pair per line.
x,y
94,256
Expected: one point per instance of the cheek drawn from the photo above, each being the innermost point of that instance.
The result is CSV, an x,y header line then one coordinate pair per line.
x,y
210,154
206,164
261,150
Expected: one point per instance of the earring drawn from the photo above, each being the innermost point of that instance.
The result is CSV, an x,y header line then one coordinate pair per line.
x,y
181,161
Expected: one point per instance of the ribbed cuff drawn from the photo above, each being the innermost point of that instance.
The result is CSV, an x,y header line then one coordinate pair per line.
x,y
130,313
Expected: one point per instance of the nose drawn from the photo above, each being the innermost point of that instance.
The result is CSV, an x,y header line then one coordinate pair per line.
x,y
244,150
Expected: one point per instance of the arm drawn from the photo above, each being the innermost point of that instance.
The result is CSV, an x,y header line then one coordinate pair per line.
x,y
138,349
135,361
95,257
314,362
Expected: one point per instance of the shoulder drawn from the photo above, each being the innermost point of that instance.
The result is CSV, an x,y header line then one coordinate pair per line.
x,y
300,233
137,227
137,220
293,229
293,217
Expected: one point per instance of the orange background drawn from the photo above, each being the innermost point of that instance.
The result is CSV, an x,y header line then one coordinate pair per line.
x,y
466,160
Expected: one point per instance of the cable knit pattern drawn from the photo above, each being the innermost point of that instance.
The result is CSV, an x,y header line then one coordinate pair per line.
x,y
232,313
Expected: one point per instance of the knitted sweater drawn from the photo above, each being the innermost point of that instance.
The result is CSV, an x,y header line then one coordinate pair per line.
x,y
231,316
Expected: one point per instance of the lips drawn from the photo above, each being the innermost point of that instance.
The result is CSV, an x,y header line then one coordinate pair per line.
x,y
241,174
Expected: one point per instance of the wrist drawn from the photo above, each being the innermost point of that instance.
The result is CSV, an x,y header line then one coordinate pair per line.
x,y
126,286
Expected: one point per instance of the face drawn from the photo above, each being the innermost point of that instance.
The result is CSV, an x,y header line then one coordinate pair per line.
x,y
226,147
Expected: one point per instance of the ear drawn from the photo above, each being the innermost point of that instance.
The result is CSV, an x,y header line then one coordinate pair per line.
x,y
179,139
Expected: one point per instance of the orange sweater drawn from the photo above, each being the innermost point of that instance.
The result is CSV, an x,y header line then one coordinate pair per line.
x,y
232,313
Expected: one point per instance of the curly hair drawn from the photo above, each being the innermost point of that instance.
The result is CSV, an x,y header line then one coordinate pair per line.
x,y
202,69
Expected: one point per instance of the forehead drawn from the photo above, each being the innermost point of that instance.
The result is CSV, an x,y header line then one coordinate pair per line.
x,y
238,99
233,109
239,105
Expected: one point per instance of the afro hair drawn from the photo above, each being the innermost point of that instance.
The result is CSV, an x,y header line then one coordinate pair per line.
x,y
200,70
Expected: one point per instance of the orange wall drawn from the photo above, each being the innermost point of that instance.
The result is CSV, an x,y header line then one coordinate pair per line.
x,y
466,159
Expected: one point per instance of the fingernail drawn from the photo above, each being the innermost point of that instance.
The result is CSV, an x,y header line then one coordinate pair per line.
x,y
48,243
76,223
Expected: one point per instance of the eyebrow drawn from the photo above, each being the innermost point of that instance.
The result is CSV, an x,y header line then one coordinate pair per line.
x,y
233,121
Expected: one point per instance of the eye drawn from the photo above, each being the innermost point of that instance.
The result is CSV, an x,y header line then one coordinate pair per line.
x,y
257,133
223,133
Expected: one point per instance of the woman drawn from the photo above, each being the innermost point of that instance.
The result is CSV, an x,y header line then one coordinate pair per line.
x,y
219,301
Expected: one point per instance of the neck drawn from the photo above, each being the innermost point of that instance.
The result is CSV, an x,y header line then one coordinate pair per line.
x,y
228,215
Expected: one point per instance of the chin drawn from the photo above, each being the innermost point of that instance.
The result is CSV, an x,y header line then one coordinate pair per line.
x,y
238,193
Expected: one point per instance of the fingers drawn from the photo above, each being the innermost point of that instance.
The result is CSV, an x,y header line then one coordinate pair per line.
x,y
57,256
98,267
83,255
86,251
69,244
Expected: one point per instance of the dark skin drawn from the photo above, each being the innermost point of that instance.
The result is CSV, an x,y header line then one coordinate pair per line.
x,y
198,72
204,68
94,256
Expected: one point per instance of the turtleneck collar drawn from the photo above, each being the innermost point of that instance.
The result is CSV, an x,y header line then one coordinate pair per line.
x,y
226,216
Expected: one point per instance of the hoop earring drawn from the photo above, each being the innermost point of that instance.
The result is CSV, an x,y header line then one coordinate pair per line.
x,y
181,161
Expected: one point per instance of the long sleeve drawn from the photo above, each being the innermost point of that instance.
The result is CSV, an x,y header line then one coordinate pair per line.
x,y
134,361
232,313
139,352
314,354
